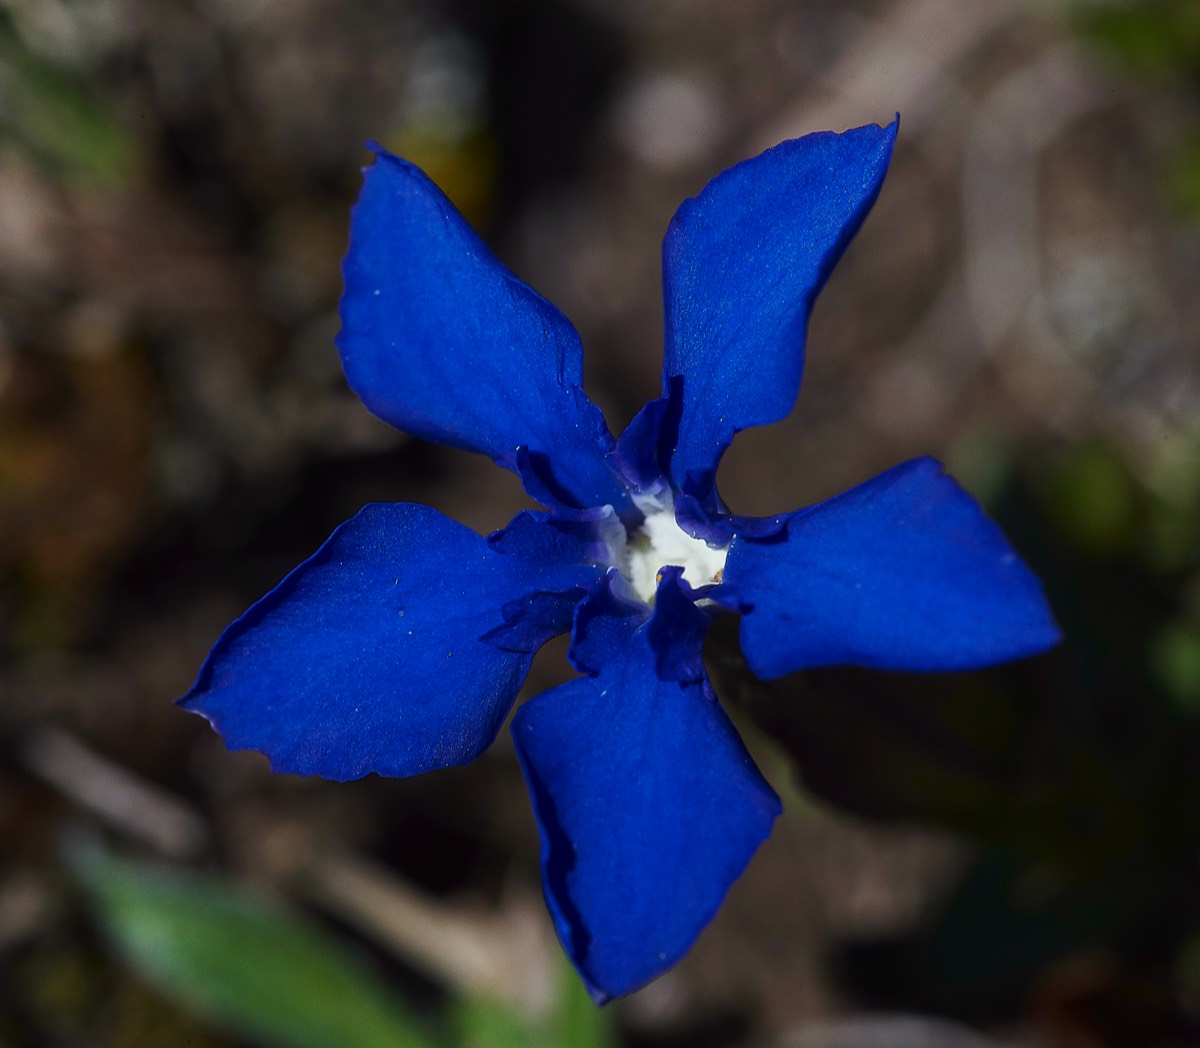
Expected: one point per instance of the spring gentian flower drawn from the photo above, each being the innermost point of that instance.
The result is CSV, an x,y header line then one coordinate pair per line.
x,y
399,646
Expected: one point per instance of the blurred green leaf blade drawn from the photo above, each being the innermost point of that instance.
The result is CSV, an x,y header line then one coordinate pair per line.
x,y
1151,36
481,1022
242,962
57,118
577,1021
573,1021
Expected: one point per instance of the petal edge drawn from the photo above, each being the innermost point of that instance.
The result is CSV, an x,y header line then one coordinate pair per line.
x,y
443,341
903,572
743,262
649,808
369,656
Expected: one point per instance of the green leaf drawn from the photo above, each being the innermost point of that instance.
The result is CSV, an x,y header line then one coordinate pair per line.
x,y
56,117
242,962
578,1022
575,1021
482,1022
1148,36
1093,499
1175,659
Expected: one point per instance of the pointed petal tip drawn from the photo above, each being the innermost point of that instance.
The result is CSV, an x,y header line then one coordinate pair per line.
x,y
904,572
425,303
598,996
743,263
640,842
885,135
380,154
291,761
370,657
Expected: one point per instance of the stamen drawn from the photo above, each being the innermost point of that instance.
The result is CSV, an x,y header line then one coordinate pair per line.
x,y
660,542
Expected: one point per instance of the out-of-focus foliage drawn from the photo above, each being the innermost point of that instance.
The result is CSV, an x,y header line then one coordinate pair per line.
x,y
255,969
1161,37
1159,40
52,115
243,962
573,1022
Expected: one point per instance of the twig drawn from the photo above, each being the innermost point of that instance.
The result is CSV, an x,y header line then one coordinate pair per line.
x,y
114,793
508,956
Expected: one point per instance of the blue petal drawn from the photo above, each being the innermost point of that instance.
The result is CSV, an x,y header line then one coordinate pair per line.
x,y
603,621
903,572
643,451
441,340
578,545
742,264
648,805
368,657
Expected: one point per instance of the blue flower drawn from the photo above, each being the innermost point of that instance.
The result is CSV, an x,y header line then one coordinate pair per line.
x,y
399,646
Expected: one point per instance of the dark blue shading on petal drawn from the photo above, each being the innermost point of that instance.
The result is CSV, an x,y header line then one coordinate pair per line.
x,y
743,263
714,525
532,620
676,631
648,804
643,451
441,340
904,572
586,537
603,619
368,657
579,546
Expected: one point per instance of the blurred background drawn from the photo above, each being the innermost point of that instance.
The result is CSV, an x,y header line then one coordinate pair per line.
x,y
1006,858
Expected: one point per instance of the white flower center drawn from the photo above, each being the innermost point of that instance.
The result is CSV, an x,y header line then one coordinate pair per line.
x,y
661,542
